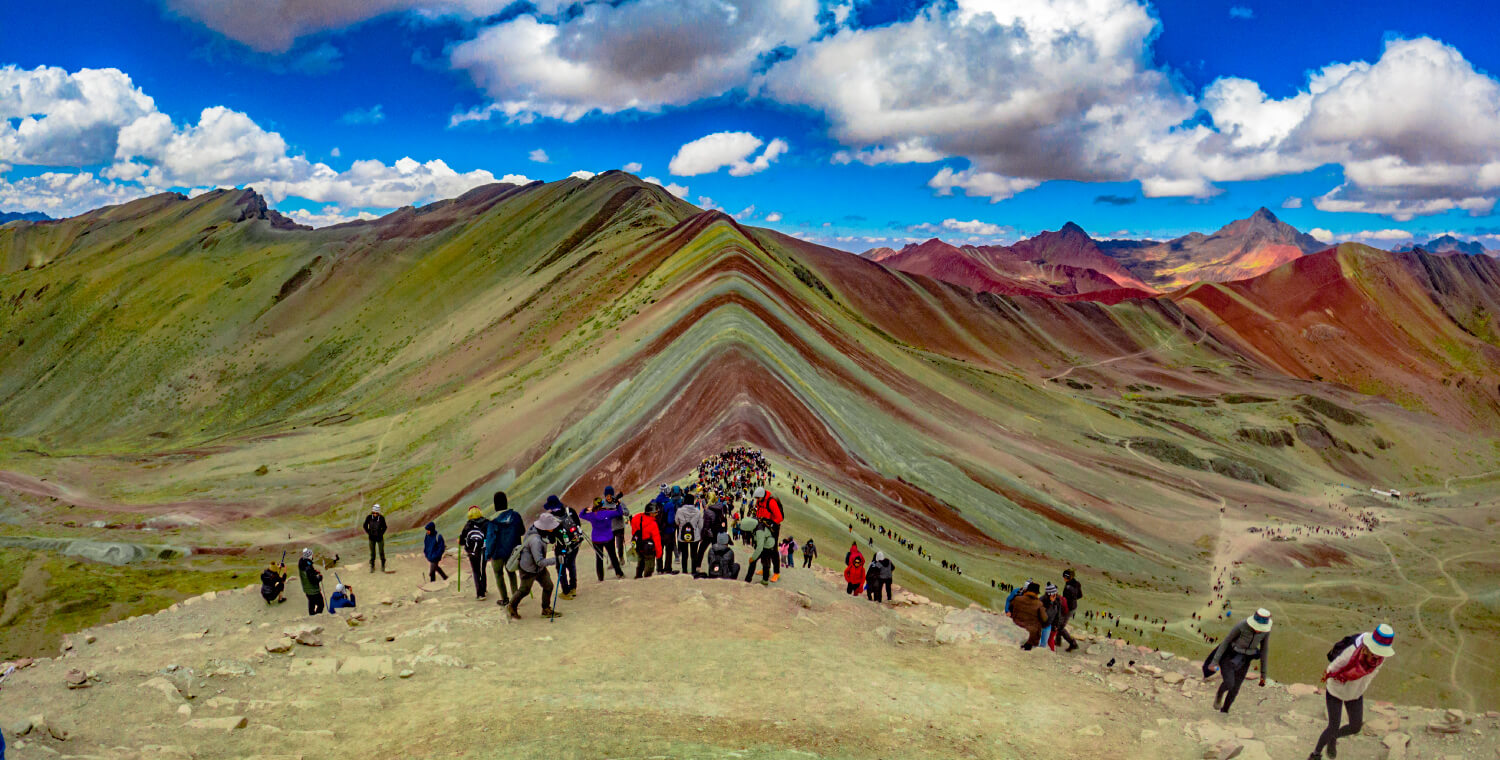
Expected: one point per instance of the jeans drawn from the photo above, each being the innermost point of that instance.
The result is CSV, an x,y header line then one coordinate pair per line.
x,y
433,571
374,544
1331,734
524,589
498,565
476,565
1233,669
668,552
600,548
315,603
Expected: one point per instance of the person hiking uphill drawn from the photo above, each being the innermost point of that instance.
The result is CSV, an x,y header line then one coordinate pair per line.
x,y
666,526
762,548
1029,613
272,583
471,538
1249,639
768,508
312,582
568,535
1015,592
1348,675
502,536
375,531
617,526
647,537
601,520
809,551
878,577
531,560
721,562
433,548
854,570
1057,614
690,538
1072,592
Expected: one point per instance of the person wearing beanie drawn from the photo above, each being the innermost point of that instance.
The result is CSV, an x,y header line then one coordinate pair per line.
x,y
375,531
501,538
433,548
666,525
617,526
721,562
878,578
565,539
1015,592
1250,639
809,551
1348,675
471,538
767,508
343,596
1028,612
601,519
645,534
532,562
272,583
312,582
1072,591
762,548
1057,612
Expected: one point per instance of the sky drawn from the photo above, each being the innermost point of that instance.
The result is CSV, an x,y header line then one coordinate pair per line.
x,y
852,123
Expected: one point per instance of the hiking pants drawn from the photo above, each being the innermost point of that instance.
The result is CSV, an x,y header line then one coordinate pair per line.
x,y
476,565
668,552
807,560
692,555
1332,733
1061,634
877,587
498,565
315,603
567,571
1233,669
600,548
776,541
645,563
433,571
765,566
1033,637
851,588
524,589
374,544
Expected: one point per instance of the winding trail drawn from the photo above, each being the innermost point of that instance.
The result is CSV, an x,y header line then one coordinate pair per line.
x,y
1162,344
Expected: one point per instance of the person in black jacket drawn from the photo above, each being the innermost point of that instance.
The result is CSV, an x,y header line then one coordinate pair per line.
x,y
1072,592
878,577
312,582
272,583
375,530
809,550
471,538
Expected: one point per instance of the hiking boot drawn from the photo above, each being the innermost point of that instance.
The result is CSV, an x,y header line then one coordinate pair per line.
x,y
551,614
503,602
1071,648
1218,700
776,577
570,595
514,615
1333,749
372,568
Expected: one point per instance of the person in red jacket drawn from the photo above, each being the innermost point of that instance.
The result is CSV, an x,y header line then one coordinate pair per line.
x,y
854,570
768,508
647,537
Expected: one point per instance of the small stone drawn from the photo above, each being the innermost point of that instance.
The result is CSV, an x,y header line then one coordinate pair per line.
x,y
309,639
184,711
76,679
1172,677
1453,715
1443,727
407,673
1165,655
231,723
1091,730
278,646
89,638
21,727
1244,732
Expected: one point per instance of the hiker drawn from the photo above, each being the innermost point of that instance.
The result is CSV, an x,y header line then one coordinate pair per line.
x,y
715,517
312,582
433,548
762,550
809,550
343,596
1249,639
721,562
1029,613
567,537
1015,592
854,570
666,526
531,560
273,582
501,538
471,538
1354,661
690,543
768,508
878,577
791,553
1072,592
1057,615
617,526
601,520
646,534
375,531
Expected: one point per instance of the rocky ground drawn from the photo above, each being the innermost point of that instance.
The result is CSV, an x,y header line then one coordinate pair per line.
x,y
666,667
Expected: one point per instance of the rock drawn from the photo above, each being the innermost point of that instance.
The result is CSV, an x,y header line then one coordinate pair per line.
x,y
315,666
1395,746
1224,750
89,638
76,679
375,665
279,646
1453,715
218,702
1172,677
1301,689
1381,725
386,601
21,727
1094,650
1444,727
184,710
1091,730
167,689
59,729
1165,655
885,633
407,673
1243,732
977,624
309,639
231,723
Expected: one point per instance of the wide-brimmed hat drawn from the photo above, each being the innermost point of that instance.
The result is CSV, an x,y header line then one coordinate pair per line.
x,y
1379,641
547,522
1261,620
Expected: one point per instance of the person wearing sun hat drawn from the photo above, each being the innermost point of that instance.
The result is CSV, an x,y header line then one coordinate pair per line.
x,y
1248,640
1345,681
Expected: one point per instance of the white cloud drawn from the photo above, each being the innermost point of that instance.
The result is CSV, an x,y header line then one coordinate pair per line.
x,y
273,25
582,174
539,156
370,183
745,213
976,227
1321,234
328,215
913,151
372,115
634,167
996,187
1383,235
49,117
335,152
681,191
711,153
60,194
774,216
707,203
642,56
1292,202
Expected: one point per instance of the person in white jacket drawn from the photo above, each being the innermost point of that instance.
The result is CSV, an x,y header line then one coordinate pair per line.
x,y
1346,679
691,543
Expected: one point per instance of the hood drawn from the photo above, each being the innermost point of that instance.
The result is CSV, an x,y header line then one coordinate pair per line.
x,y
722,540
553,504
879,556
431,527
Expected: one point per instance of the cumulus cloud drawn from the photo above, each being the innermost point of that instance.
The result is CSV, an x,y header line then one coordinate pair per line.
x,y
49,117
711,153
643,55
681,191
273,25
745,213
539,156
976,227
328,215
582,174
1321,234
774,216
60,194
634,167
1292,202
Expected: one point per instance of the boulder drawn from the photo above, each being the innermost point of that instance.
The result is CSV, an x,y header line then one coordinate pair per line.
x,y
1172,677
1224,750
1444,727
309,639
76,679
976,624
167,689
279,646
1395,746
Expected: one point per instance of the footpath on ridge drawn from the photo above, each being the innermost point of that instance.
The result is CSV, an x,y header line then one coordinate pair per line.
x,y
662,667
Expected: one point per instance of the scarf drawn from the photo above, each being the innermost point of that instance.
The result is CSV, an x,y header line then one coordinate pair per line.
x,y
1355,669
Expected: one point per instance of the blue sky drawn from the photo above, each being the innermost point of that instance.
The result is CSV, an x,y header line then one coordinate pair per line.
x,y
978,120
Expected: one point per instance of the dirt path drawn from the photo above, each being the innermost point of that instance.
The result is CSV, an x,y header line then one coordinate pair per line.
x,y
1162,344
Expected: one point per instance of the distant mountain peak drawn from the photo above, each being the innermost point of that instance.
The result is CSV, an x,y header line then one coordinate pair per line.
x,y
1072,229
1264,214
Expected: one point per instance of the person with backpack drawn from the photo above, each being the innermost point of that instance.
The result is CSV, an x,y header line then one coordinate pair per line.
x,y
715,517
502,536
690,543
617,526
343,596
567,537
768,508
1072,592
272,583
721,562
762,549
531,560
1015,592
1250,639
878,578
854,570
471,538
1352,664
646,534
1028,612
312,582
433,548
666,525
809,551
791,554
375,531
601,520
1057,614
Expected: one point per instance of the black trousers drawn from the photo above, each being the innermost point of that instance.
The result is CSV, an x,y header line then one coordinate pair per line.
x,y
1062,633
315,603
476,564
433,571
543,579
377,543
876,587
567,571
692,555
668,552
1332,734
851,588
645,563
765,560
807,560
600,547
776,541
1233,669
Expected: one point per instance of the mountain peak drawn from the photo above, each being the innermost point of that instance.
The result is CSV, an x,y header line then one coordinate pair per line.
x,y
1073,229
1264,214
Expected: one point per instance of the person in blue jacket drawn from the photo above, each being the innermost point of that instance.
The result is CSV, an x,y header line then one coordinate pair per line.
x,y
1015,592
666,523
433,547
343,596
501,539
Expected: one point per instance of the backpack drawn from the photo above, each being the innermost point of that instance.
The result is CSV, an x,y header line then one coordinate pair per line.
x,y
474,541
685,534
645,546
1342,644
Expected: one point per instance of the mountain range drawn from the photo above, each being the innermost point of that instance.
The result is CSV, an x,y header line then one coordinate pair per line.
x,y
24,216
201,373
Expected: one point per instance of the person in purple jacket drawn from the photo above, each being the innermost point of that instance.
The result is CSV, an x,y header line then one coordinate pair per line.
x,y
602,535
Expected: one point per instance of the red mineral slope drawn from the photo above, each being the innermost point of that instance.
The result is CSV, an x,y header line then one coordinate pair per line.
x,y
1239,250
